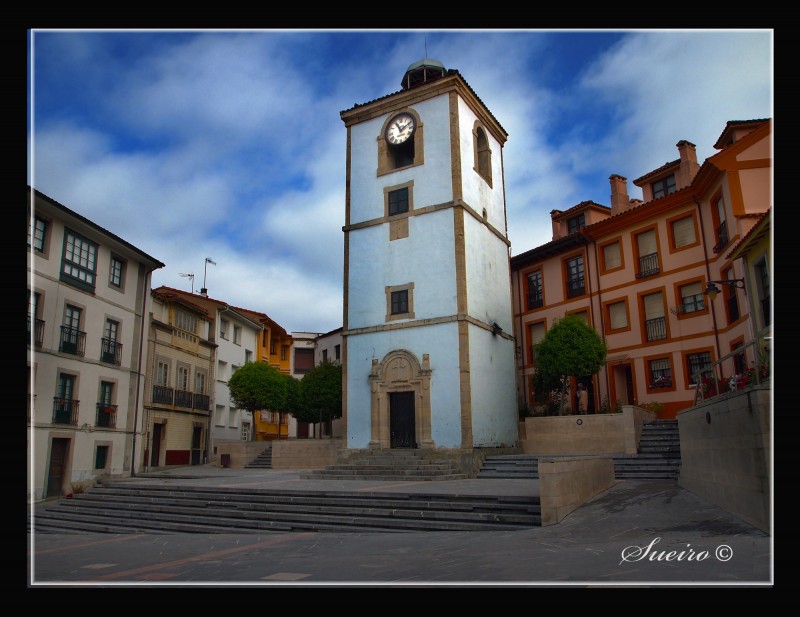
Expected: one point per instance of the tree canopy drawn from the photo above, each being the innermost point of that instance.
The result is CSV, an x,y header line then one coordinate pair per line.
x,y
321,394
570,348
257,385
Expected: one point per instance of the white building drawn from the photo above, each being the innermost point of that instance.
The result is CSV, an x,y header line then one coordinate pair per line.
x,y
88,292
428,351
236,337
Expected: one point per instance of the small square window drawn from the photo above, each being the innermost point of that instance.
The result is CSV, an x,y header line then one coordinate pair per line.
x,y
398,201
399,302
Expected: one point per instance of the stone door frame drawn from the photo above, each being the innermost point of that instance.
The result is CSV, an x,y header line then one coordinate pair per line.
x,y
400,371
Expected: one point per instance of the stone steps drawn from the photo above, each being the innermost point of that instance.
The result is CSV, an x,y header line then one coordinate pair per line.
x,y
659,458
263,460
389,465
125,507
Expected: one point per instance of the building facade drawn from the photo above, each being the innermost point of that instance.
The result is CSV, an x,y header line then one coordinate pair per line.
x,y
273,348
88,295
236,336
178,383
639,272
428,350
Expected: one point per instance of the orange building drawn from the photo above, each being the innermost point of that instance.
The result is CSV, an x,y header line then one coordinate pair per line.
x,y
639,272
273,348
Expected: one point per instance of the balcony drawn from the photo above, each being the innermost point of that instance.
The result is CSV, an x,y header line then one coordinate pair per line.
x,y
163,395
110,351
65,411
202,401
38,334
576,287
535,300
648,265
656,329
183,398
722,237
73,341
106,415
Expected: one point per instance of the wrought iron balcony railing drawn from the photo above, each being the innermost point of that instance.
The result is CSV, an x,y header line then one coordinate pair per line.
x,y
576,287
163,395
535,300
72,341
648,265
722,236
106,415
656,329
202,401
183,398
38,333
65,411
110,351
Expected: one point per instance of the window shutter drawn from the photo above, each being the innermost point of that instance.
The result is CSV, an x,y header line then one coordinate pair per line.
x,y
611,256
647,243
537,333
653,306
692,289
683,232
617,315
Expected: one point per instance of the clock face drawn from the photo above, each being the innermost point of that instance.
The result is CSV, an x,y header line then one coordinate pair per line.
x,y
400,129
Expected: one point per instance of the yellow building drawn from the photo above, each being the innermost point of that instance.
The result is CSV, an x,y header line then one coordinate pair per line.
x,y
273,348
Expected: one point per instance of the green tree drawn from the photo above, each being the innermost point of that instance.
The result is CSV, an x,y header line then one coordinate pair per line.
x,y
321,394
570,348
256,386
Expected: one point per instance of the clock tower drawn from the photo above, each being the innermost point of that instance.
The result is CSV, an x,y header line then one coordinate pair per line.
x,y
428,350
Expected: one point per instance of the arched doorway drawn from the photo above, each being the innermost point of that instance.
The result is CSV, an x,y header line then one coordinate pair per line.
x,y
401,401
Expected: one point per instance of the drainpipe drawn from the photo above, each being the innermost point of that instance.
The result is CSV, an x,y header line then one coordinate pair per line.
x,y
709,277
521,338
588,238
145,328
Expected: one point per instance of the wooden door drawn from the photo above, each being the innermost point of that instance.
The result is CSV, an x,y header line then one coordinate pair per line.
x,y
401,419
58,462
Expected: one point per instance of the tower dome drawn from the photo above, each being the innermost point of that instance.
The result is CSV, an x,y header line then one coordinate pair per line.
x,y
422,72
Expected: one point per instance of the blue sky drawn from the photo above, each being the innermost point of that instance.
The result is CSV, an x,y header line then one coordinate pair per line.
x,y
229,144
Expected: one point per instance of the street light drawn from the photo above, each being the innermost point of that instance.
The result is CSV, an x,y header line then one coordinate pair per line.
x,y
712,290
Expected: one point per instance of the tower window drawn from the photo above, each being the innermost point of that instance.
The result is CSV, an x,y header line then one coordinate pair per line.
x,y
483,154
398,201
400,302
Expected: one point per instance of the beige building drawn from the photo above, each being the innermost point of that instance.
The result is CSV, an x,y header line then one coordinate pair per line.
x,y
178,383
88,295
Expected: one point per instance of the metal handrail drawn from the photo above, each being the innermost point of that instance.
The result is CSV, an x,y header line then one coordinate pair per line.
x,y
697,375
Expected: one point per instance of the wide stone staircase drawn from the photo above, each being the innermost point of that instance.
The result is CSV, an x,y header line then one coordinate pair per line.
x,y
395,464
659,457
123,506
263,460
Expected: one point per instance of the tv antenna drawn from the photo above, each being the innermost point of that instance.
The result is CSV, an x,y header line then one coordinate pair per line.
x,y
205,270
189,275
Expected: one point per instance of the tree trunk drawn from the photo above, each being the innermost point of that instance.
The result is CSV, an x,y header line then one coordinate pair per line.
x,y
563,395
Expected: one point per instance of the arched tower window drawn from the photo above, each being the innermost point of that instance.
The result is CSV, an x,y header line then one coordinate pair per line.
x,y
483,153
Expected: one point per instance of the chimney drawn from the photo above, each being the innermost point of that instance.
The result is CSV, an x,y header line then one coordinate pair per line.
x,y
636,202
619,194
689,166
204,292
556,224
